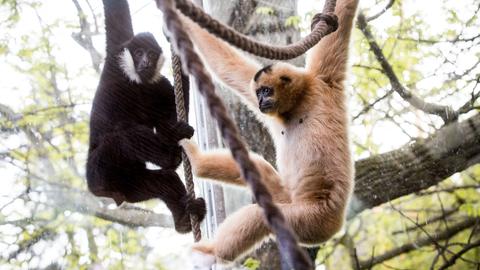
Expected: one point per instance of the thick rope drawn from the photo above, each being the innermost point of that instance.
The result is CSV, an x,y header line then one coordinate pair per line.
x,y
182,115
286,239
324,25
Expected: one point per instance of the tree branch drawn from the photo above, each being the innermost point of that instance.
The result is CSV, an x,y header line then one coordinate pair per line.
x,y
381,12
75,200
416,166
445,112
420,242
84,37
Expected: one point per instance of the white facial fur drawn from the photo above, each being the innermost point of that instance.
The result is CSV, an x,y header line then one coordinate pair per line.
x,y
128,67
157,75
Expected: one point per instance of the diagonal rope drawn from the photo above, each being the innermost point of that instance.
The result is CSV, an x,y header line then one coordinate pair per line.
x,y
180,87
326,24
287,242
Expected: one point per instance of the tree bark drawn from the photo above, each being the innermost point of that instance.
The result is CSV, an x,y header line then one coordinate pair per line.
x,y
413,167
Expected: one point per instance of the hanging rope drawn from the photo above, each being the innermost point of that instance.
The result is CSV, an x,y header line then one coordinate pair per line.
x,y
180,84
286,239
324,24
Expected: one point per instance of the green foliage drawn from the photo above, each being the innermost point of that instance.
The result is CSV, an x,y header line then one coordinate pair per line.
x,y
265,11
293,21
251,264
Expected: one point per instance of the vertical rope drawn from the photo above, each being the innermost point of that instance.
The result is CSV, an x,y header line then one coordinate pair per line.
x,y
287,241
178,84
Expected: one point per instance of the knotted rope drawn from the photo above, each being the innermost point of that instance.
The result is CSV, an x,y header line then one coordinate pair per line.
x,y
324,25
287,241
180,84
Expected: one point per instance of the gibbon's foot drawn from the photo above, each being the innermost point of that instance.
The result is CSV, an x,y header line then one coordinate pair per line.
x,y
182,222
183,130
190,148
197,208
202,257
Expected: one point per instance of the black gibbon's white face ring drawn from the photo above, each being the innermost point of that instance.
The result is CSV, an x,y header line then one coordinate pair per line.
x,y
140,66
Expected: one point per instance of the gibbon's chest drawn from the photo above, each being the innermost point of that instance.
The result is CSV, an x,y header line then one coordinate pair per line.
x,y
296,148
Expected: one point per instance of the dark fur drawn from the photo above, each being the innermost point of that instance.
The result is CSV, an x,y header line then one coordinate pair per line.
x,y
124,114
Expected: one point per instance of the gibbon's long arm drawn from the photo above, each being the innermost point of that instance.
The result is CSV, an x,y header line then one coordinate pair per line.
x,y
328,59
118,25
233,69
220,166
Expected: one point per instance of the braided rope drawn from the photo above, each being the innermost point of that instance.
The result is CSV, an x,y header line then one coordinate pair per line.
x,y
323,27
286,239
182,116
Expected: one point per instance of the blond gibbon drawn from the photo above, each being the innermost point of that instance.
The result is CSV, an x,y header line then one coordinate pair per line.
x,y
305,111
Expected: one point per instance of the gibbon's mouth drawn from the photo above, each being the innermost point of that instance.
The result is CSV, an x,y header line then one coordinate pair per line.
x,y
266,107
145,73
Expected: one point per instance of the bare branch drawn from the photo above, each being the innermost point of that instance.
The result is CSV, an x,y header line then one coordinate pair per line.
x,y
381,12
429,221
459,254
84,37
69,198
420,242
445,112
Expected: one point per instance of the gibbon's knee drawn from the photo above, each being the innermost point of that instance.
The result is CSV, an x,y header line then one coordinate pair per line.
x,y
240,232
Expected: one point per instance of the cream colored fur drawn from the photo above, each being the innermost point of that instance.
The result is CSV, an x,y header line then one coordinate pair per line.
x,y
310,129
126,63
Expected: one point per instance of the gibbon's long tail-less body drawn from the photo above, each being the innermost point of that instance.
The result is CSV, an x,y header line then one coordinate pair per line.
x,y
134,121
306,113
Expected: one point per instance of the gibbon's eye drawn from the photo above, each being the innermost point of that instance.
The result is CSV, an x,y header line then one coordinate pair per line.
x,y
267,91
264,91
138,53
152,55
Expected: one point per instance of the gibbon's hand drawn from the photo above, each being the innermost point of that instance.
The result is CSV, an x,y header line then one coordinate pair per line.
x,y
197,207
184,130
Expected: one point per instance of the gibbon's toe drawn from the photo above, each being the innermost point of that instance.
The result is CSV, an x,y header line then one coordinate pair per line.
x,y
201,260
185,131
197,207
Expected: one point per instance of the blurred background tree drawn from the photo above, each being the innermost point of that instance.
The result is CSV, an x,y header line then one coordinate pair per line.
x,y
413,87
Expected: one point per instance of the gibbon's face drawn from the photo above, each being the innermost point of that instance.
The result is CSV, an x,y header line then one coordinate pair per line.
x,y
274,87
145,59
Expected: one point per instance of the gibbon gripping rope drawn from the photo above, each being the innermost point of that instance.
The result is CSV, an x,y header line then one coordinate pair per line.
x,y
179,81
323,24
326,24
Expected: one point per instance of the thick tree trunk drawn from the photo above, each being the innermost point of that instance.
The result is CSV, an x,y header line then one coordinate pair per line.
x,y
409,169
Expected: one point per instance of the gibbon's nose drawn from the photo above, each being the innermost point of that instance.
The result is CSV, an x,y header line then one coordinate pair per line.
x,y
144,63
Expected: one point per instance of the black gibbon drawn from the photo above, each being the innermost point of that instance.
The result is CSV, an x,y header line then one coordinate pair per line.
x,y
134,121
306,113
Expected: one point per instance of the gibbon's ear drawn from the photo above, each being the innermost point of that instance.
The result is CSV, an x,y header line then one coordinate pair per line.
x,y
285,79
227,63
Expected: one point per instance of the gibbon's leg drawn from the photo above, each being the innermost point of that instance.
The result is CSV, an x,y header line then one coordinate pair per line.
x,y
313,223
140,143
328,59
219,165
227,63
167,186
